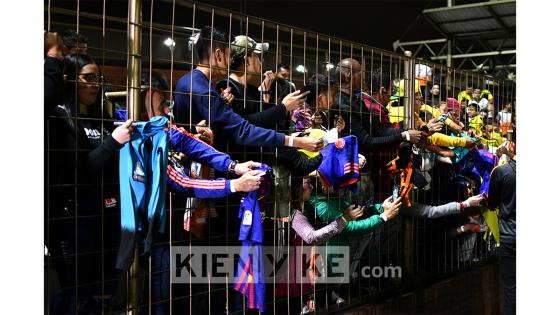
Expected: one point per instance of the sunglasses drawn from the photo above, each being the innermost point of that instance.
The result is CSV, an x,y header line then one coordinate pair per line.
x,y
91,77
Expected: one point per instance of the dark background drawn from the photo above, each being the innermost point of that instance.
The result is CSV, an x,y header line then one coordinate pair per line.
x,y
377,23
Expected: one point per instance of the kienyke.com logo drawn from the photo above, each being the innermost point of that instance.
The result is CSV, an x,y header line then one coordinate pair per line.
x,y
269,264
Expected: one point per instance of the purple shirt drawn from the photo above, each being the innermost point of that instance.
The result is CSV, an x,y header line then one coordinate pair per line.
x,y
305,230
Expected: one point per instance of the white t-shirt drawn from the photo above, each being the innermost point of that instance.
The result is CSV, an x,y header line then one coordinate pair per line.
x,y
504,118
482,104
423,71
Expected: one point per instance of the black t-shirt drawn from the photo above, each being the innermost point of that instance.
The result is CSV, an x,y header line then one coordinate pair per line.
x,y
371,133
248,104
247,100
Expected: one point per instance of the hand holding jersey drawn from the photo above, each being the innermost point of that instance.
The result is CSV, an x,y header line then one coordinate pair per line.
x,y
123,133
250,181
242,168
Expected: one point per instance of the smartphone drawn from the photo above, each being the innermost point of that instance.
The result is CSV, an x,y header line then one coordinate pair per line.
x,y
368,203
442,117
307,88
395,192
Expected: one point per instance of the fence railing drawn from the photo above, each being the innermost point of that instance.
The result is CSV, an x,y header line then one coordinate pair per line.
x,y
82,215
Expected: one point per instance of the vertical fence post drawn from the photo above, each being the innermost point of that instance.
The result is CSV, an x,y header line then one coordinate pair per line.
x,y
133,111
134,59
449,63
408,90
408,228
133,279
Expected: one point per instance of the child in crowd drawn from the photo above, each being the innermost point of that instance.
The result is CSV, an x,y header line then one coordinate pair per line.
x,y
475,120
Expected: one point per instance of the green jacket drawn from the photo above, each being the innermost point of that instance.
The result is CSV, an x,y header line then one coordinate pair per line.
x,y
328,210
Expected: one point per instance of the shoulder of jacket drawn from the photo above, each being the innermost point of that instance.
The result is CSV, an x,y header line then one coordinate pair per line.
x,y
61,110
497,171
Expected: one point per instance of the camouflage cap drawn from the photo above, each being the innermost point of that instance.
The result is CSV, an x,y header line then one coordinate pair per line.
x,y
243,43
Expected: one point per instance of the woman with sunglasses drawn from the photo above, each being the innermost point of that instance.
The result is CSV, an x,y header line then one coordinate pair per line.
x,y
82,111
82,184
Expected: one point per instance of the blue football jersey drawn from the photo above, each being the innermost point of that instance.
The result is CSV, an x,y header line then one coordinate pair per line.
x,y
340,166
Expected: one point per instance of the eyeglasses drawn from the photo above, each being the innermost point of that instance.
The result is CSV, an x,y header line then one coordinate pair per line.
x,y
92,77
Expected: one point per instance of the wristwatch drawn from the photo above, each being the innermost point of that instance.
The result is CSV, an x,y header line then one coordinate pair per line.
x,y
231,167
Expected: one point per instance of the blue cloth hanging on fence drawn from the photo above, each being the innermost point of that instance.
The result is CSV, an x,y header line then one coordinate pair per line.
x,y
142,177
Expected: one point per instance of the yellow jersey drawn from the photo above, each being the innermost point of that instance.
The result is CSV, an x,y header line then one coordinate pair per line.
x,y
476,123
463,95
396,113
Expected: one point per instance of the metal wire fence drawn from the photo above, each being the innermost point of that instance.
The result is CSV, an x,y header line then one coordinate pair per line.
x,y
82,213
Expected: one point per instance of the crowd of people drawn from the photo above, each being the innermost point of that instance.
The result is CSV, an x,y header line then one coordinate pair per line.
x,y
227,122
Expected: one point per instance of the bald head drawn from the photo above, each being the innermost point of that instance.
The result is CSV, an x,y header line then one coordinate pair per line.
x,y
349,63
350,72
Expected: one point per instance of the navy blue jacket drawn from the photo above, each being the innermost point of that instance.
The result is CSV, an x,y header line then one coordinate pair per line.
x,y
207,104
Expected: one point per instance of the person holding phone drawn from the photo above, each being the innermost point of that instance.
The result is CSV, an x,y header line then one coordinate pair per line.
x,y
302,226
306,234
433,212
371,133
327,204
196,100
250,101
